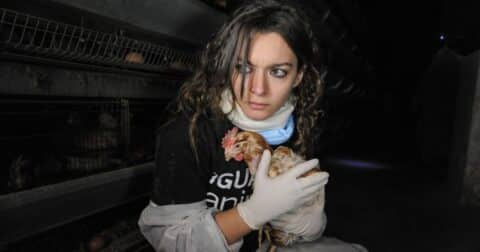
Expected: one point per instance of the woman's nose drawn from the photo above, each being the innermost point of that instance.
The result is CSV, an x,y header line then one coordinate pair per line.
x,y
258,84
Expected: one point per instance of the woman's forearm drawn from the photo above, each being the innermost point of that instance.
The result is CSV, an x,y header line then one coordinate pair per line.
x,y
232,225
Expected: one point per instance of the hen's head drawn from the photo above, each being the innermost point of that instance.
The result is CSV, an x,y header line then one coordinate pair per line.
x,y
232,146
244,146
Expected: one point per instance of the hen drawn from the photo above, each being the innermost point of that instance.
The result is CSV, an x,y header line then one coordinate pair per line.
x,y
248,146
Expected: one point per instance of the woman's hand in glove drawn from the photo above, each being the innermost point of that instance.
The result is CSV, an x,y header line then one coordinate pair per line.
x,y
308,221
274,196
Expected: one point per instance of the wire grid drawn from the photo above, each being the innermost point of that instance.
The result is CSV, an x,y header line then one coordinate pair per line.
x,y
36,35
49,141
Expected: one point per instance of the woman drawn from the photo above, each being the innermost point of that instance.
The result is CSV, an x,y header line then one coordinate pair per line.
x,y
258,74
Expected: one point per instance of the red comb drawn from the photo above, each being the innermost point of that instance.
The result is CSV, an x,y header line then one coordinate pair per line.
x,y
229,138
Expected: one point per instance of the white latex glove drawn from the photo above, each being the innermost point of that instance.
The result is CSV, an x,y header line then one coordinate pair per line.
x,y
309,222
274,196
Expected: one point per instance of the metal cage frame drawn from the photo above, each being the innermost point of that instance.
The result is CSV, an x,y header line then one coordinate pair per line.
x,y
34,35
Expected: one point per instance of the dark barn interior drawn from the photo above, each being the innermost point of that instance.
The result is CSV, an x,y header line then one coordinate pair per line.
x,y
83,84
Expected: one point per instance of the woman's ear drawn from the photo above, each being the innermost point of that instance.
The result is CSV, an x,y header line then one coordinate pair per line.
x,y
299,77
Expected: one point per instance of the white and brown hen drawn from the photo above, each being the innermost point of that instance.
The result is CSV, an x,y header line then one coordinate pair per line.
x,y
248,146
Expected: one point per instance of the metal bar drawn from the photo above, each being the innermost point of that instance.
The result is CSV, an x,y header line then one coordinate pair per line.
x,y
75,43
54,35
13,29
166,57
101,44
8,138
94,41
86,43
183,59
71,200
3,16
56,102
128,45
162,52
72,36
59,47
144,50
44,34
23,32
125,125
148,54
109,43
80,40
34,32
97,68
156,55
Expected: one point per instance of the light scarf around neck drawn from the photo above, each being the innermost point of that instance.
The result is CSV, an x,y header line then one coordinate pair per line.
x,y
276,129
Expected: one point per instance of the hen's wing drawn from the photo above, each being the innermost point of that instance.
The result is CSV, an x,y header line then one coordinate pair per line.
x,y
283,158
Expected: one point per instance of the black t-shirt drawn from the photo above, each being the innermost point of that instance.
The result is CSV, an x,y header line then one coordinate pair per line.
x,y
180,179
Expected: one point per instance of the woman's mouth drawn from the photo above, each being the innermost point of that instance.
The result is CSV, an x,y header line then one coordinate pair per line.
x,y
257,106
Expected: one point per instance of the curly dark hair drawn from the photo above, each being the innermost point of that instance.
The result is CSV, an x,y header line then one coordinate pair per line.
x,y
201,93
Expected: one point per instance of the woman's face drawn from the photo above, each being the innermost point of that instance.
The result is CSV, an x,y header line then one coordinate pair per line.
x,y
270,75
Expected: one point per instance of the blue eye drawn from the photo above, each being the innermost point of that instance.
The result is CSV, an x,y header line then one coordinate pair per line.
x,y
243,69
278,73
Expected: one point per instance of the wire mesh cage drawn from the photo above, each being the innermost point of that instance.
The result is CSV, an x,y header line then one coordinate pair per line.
x,y
54,140
111,230
42,37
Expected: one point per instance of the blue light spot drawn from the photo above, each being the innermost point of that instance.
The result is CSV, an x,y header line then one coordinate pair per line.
x,y
360,164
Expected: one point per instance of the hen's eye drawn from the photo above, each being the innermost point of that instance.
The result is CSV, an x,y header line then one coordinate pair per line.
x,y
278,73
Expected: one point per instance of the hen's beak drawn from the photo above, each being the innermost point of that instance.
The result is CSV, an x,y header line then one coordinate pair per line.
x,y
228,154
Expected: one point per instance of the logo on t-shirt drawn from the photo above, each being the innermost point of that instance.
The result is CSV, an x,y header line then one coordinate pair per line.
x,y
229,188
